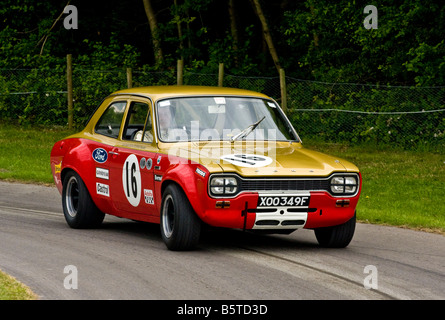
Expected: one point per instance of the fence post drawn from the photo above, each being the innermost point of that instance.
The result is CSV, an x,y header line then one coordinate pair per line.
x,y
221,75
180,72
283,90
69,78
129,78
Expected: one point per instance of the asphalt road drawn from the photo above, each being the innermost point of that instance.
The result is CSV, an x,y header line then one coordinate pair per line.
x,y
128,260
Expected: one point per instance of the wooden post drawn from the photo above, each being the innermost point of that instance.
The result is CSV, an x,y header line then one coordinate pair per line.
x,y
180,72
129,78
69,77
283,90
221,75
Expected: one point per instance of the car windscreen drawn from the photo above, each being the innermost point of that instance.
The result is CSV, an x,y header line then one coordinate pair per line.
x,y
221,118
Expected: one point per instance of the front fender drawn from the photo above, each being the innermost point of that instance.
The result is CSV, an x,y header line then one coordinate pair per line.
x,y
193,179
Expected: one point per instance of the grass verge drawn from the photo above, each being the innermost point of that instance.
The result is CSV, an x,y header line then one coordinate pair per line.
x,y
24,153
400,188
11,289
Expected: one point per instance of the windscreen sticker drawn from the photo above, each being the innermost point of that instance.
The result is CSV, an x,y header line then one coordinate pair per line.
x,y
164,103
247,160
131,180
220,100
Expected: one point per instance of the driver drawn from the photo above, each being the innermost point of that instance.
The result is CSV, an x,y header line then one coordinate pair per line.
x,y
165,121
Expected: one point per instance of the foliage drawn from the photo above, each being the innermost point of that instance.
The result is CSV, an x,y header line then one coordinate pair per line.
x,y
323,41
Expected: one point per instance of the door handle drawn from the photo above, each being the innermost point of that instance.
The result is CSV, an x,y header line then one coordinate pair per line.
x,y
113,153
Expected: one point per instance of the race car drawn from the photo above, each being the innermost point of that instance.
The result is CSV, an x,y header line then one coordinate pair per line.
x,y
189,156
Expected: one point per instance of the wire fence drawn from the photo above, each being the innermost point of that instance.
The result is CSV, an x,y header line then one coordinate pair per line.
x,y
334,112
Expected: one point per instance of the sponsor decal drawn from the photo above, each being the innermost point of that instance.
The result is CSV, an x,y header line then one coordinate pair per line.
x,y
148,196
158,177
200,172
247,160
100,155
103,189
58,167
102,173
159,160
131,180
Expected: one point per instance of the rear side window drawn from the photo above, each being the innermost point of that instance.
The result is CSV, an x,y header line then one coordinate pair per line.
x,y
110,122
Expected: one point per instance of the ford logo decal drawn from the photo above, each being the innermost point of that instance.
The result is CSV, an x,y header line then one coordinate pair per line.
x,y
100,155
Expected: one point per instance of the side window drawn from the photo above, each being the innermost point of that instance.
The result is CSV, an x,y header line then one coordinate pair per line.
x,y
110,122
138,124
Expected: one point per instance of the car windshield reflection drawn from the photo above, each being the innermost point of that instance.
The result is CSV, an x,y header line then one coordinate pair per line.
x,y
221,118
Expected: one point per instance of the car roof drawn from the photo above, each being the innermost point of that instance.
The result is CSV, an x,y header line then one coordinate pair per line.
x,y
162,92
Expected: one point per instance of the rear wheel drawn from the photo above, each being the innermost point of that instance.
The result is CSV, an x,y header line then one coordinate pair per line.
x,y
337,236
180,226
78,207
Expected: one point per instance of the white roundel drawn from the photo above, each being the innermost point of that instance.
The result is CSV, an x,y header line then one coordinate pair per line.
x,y
247,160
131,180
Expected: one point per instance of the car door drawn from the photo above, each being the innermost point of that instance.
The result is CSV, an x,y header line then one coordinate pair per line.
x,y
132,159
106,131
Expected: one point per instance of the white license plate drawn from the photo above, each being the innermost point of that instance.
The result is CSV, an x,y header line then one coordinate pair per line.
x,y
283,201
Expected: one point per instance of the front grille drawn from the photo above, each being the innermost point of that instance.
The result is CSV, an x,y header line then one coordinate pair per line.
x,y
283,185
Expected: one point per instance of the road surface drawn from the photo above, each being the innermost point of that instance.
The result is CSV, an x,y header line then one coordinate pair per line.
x,y
124,259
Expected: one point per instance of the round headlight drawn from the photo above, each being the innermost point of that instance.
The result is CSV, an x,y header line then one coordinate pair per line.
x,y
337,185
350,184
230,185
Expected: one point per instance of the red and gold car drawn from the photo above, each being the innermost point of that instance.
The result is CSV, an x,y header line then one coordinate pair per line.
x,y
184,156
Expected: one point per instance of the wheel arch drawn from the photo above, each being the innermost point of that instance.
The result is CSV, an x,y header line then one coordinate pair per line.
x,y
186,179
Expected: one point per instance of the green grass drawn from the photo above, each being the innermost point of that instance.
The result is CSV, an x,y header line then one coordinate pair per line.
x,y
400,188
11,289
24,153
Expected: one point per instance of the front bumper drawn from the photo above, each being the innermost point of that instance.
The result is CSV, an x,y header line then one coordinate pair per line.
x,y
323,210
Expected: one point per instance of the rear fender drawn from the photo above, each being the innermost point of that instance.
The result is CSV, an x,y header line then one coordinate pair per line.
x,y
73,154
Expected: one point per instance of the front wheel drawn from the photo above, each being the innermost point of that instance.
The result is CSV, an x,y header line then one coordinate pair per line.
x,y
337,236
180,226
78,207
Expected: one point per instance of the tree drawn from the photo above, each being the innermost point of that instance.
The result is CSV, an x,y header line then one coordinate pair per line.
x,y
266,33
233,31
151,16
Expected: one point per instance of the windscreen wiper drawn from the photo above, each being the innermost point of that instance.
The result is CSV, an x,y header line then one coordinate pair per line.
x,y
247,131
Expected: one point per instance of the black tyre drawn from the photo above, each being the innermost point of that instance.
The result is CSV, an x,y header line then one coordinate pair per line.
x,y
180,226
338,236
78,207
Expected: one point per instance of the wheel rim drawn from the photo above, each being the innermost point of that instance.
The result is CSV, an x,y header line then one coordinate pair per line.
x,y
72,197
168,216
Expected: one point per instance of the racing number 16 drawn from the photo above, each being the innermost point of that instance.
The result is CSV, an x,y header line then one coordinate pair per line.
x,y
131,180
131,173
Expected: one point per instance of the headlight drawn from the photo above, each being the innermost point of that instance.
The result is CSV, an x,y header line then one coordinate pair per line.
x,y
344,185
221,186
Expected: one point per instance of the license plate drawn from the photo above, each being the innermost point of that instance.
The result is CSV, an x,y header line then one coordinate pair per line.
x,y
283,201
